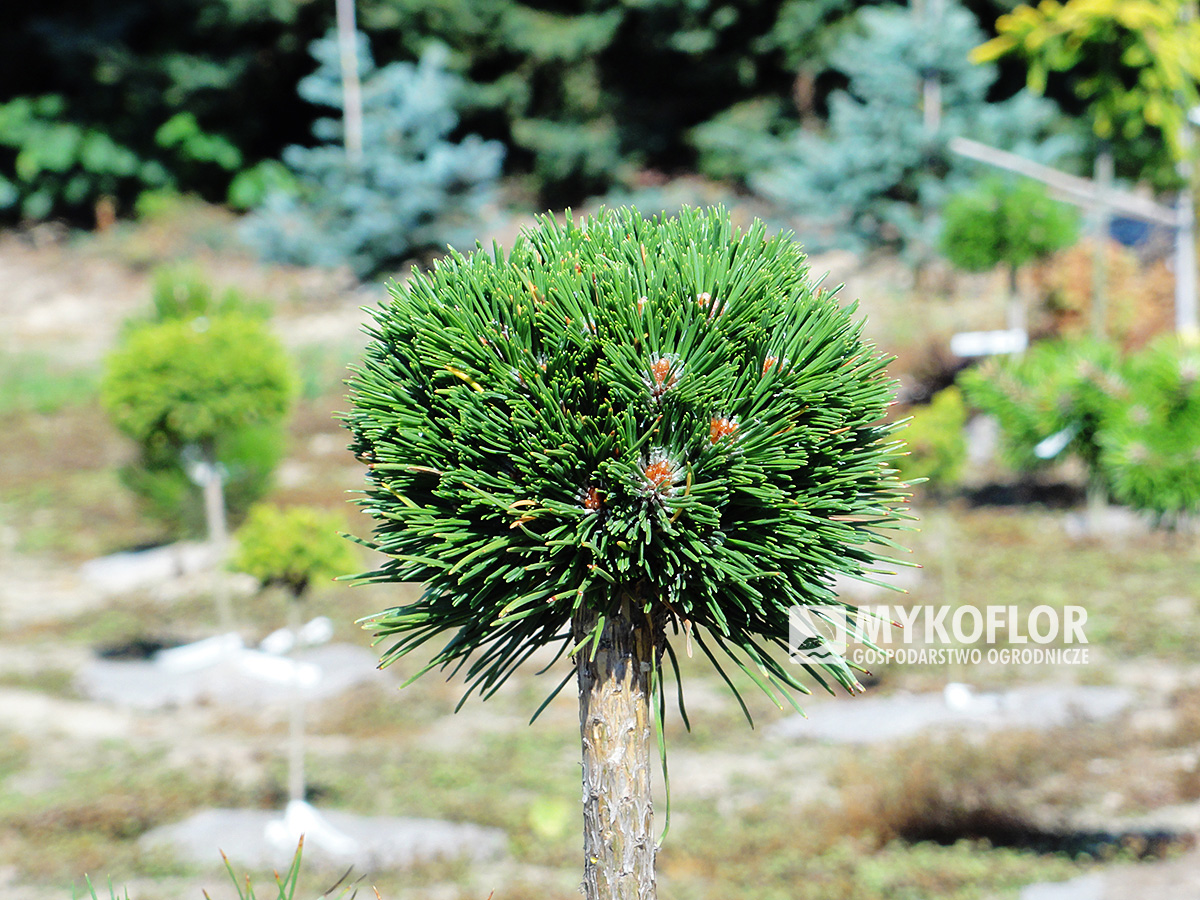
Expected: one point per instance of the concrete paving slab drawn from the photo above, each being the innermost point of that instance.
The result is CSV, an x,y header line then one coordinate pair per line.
x,y
865,720
120,573
373,842
1086,887
237,677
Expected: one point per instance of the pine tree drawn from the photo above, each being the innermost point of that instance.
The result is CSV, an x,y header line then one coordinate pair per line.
x,y
584,94
292,548
624,436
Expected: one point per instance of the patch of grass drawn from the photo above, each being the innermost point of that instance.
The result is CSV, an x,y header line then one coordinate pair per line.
x,y
171,228
1186,704
305,879
59,483
943,790
324,368
370,711
1025,559
126,620
964,871
495,781
36,383
90,819
15,751
772,852
78,515
56,682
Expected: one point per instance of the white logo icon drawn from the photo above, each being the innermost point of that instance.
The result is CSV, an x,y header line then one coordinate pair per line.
x,y
818,634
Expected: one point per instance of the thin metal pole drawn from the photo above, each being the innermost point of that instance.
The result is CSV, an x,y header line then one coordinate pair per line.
x,y
1185,207
1101,216
351,88
212,484
1016,303
295,776
1186,324
931,88
1185,229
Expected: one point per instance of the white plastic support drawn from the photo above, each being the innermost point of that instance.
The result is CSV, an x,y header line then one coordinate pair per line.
x,y
278,643
300,819
200,655
282,641
279,669
989,343
316,632
1050,447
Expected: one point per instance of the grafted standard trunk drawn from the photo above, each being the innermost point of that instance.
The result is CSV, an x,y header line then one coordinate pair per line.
x,y
615,724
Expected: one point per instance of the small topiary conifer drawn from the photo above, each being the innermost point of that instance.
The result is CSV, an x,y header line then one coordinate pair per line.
x,y
213,389
291,547
1009,223
623,436
1005,222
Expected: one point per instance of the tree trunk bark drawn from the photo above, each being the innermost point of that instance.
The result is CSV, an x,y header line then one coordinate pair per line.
x,y
615,724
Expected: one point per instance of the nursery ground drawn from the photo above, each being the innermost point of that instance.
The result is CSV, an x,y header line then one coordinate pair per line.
x,y
942,815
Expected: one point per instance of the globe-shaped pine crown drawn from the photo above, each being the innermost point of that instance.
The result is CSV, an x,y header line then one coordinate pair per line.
x,y
667,410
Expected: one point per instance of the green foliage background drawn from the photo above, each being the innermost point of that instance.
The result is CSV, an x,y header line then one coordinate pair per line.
x,y
1133,421
815,104
1056,387
1133,66
137,94
1150,449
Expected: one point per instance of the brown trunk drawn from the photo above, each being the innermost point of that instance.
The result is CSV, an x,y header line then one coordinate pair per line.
x,y
615,724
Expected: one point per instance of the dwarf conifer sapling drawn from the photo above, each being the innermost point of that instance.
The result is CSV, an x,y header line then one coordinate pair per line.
x,y
624,438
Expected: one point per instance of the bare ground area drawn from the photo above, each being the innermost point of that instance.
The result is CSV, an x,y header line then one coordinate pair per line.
x,y
80,780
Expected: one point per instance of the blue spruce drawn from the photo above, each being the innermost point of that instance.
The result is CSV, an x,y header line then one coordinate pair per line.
x,y
879,173
413,189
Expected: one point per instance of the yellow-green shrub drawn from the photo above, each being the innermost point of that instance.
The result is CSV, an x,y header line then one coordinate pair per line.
x,y
937,445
